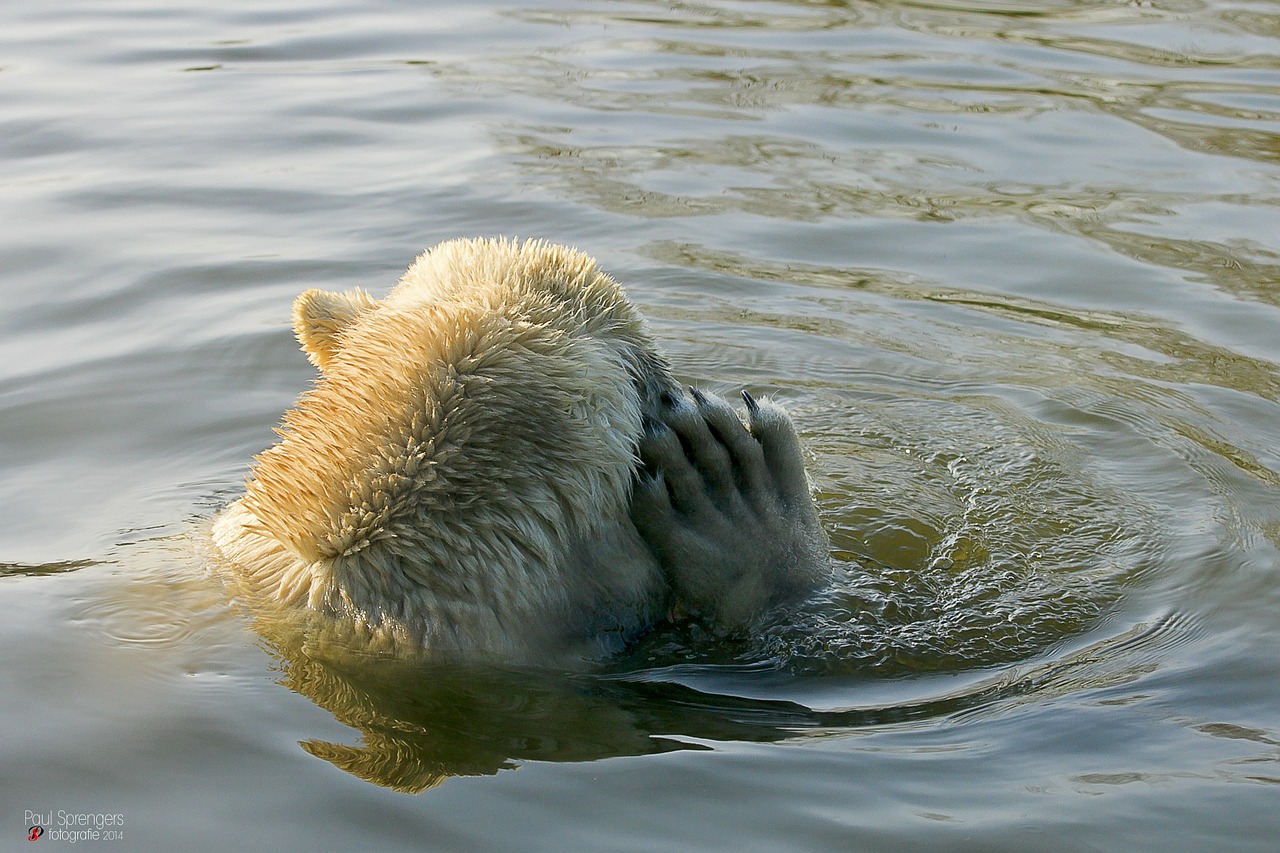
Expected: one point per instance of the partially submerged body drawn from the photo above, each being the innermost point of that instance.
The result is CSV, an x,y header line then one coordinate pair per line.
x,y
460,479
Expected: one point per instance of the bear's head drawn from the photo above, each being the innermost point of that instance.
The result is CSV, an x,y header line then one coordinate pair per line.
x,y
470,437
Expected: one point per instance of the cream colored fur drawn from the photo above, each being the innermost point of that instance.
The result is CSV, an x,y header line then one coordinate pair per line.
x,y
459,477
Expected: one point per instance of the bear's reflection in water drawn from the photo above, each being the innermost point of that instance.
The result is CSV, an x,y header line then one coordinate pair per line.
x,y
422,722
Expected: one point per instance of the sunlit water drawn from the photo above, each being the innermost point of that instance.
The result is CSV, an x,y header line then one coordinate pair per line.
x,y
1012,266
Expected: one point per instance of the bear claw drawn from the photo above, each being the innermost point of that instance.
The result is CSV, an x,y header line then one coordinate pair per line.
x,y
730,516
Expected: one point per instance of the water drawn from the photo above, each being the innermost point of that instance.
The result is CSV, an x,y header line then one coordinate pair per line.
x,y
1012,266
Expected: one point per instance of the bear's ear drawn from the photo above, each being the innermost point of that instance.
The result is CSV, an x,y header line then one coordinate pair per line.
x,y
320,317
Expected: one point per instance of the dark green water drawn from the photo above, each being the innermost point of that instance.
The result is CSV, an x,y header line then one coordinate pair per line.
x,y
1012,266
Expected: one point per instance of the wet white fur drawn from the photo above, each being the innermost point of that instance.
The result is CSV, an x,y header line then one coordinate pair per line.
x,y
459,477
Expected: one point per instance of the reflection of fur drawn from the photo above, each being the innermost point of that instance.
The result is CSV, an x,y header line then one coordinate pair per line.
x,y
423,722
459,478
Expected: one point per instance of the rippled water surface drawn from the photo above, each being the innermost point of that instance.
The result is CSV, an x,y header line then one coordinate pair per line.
x,y
1013,267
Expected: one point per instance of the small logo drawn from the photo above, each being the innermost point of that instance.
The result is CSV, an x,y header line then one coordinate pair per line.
x,y
34,833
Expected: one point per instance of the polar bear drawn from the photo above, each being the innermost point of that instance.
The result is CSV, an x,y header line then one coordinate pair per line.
x,y
496,461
